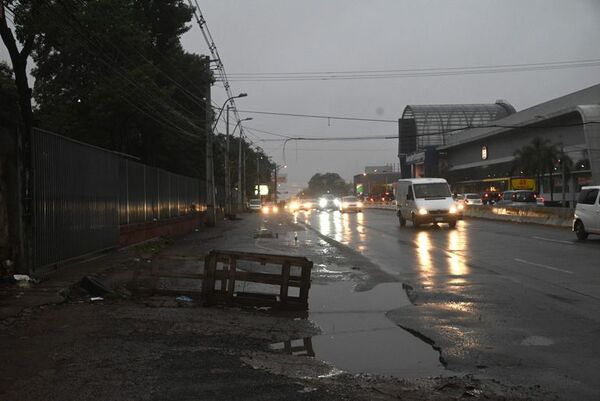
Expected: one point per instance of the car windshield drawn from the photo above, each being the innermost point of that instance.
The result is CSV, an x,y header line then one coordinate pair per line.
x,y
255,202
433,190
349,199
328,197
472,196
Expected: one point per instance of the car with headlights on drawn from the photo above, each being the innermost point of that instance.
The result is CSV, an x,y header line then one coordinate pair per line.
x,y
269,208
351,204
329,202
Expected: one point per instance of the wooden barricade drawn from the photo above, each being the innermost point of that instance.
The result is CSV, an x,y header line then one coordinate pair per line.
x,y
221,274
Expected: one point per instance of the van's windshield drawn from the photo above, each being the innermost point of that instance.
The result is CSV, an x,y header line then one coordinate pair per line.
x,y
432,190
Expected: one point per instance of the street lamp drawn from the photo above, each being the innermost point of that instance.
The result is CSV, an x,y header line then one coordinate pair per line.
x,y
227,164
211,216
240,200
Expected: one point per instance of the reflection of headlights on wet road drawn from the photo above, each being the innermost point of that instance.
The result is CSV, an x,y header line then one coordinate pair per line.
x,y
453,210
423,211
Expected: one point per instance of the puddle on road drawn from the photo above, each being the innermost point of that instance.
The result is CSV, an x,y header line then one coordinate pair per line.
x,y
358,337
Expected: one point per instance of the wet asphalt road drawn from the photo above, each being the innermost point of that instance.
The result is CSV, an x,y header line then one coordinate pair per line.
x,y
514,301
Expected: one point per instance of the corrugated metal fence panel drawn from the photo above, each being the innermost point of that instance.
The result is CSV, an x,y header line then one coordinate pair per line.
x,y
83,193
75,199
136,193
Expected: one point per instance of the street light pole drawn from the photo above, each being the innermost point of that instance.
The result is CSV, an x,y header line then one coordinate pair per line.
x,y
210,176
239,176
227,172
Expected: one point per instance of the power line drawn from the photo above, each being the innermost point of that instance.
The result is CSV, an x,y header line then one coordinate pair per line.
x,y
325,117
411,73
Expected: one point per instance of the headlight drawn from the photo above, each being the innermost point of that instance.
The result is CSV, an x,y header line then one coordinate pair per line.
x,y
453,210
461,206
294,205
359,204
336,202
345,204
265,209
422,211
275,209
322,202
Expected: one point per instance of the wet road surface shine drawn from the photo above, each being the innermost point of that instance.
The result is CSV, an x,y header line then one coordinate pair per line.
x,y
486,289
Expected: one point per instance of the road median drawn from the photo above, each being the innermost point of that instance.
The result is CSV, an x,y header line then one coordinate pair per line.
x,y
551,216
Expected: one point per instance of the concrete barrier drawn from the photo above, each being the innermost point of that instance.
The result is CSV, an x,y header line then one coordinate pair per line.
x,y
552,216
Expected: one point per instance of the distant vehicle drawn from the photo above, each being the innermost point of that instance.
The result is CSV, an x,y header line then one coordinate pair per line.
x,y
506,199
425,200
329,202
587,212
351,204
490,197
254,205
307,204
524,197
269,208
472,199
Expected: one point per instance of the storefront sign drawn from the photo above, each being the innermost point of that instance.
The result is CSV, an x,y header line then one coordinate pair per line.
x,y
522,183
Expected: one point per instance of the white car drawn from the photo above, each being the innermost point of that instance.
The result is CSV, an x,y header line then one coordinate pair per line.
x,y
472,199
255,205
587,212
424,201
351,204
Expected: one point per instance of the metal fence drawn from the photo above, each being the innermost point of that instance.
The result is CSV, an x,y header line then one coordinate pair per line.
x,y
82,194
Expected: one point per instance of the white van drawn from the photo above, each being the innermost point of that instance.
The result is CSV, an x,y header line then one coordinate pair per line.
x,y
425,200
587,212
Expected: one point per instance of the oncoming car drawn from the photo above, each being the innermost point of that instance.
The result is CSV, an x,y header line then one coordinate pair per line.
x,y
329,202
269,208
351,204
424,201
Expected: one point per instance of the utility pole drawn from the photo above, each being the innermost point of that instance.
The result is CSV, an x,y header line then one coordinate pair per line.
x,y
227,172
275,186
211,215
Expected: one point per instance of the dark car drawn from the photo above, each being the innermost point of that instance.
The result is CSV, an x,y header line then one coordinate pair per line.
x,y
490,197
524,197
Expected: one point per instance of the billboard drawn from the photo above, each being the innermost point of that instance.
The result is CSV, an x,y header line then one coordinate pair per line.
x,y
522,183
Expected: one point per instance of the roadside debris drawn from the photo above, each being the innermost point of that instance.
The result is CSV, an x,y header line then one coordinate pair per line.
x,y
23,280
95,287
184,298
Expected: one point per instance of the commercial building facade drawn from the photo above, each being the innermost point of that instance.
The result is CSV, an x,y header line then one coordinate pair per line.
x,y
483,157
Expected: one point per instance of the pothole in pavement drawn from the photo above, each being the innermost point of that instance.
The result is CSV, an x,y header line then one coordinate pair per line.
x,y
358,337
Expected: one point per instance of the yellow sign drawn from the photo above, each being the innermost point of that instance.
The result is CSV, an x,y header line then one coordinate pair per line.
x,y
522,183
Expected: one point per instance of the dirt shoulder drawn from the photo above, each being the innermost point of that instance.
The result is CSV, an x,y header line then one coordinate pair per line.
x,y
141,347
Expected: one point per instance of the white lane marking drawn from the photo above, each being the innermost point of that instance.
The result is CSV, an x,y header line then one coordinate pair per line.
x,y
553,240
543,266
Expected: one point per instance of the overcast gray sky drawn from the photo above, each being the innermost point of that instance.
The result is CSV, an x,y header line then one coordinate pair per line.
x,y
349,35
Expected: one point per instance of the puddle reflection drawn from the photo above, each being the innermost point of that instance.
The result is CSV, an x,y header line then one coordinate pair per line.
x,y
358,337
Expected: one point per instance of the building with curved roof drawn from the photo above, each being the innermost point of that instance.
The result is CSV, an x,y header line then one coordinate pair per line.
x,y
424,127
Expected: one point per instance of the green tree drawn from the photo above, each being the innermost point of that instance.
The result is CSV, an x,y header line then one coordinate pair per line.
x,y
113,73
537,159
9,100
320,184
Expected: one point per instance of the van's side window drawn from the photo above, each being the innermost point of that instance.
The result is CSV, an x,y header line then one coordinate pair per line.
x,y
409,194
